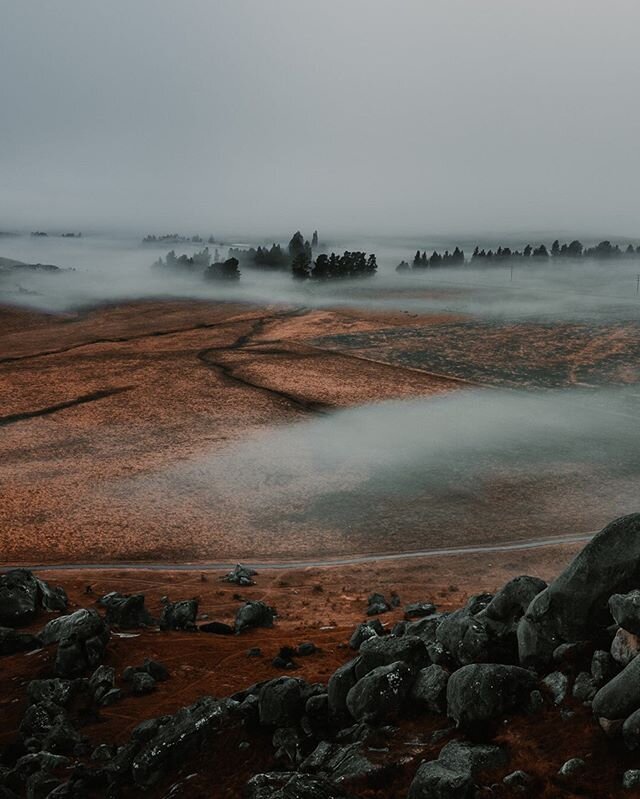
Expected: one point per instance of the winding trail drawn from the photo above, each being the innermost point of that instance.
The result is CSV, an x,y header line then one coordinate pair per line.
x,y
512,546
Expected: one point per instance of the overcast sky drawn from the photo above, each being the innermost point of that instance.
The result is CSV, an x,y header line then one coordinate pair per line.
x,y
367,115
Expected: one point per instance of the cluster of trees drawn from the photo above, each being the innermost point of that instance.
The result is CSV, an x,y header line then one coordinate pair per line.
x,y
176,238
328,267
605,250
201,262
275,257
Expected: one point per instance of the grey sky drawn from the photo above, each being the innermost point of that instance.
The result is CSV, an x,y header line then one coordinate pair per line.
x,y
368,115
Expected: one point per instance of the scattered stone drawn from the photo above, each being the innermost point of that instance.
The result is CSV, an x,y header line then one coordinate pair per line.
x,y
557,684
603,667
364,631
625,609
380,694
631,731
536,701
241,575
570,653
284,658
254,614
418,610
142,683
102,681
82,639
340,683
126,610
22,595
518,780
217,628
281,702
291,785
452,775
430,689
179,615
342,764
481,692
305,649
377,604
575,606
254,652
381,651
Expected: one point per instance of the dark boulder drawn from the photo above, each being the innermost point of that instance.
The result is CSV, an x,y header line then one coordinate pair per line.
x,y
127,611
290,785
625,647
452,775
281,702
340,683
620,697
418,610
383,650
364,631
342,764
603,667
584,687
381,693
82,639
575,606
306,648
102,681
254,614
179,736
179,615
481,692
142,683
217,628
631,731
11,641
556,683
625,609
22,595
377,604
241,575
85,623
429,690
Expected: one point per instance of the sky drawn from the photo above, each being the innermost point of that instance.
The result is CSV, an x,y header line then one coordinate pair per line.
x,y
371,116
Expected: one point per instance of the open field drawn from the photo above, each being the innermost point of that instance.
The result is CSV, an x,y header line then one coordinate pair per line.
x,y
121,424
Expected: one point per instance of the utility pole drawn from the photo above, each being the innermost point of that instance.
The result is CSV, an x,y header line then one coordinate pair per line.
x,y
638,285
511,278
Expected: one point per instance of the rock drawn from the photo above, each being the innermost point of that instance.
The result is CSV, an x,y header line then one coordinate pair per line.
x,y
418,610
126,610
305,649
281,702
631,779
85,623
603,667
625,609
49,725
518,780
381,651
611,728
56,691
452,775
557,684
566,654
364,631
241,575
290,785
254,614
340,683
178,736
430,689
575,606
631,731
179,615
22,594
340,763
584,687
624,647
217,628
381,693
620,696
481,692
254,652
142,683
11,641
572,768
536,701
376,604
102,681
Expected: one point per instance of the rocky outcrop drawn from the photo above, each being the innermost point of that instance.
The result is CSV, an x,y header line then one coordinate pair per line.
x,y
22,595
481,692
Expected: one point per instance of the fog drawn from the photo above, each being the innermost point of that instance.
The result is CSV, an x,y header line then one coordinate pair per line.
x,y
244,116
110,268
442,470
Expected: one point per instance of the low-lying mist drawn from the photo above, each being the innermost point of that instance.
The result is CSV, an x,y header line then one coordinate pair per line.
x,y
116,270
470,466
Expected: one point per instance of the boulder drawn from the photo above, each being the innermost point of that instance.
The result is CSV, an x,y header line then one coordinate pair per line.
x,y
429,690
82,639
179,615
383,650
575,606
452,775
142,683
241,575
55,691
624,647
620,697
376,604
631,779
179,736
381,693
281,702
342,764
217,628
85,623
571,768
290,785
127,611
364,631
631,731
254,614
481,692
340,683
556,683
418,610
603,667
625,609
22,594
102,681
584,687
